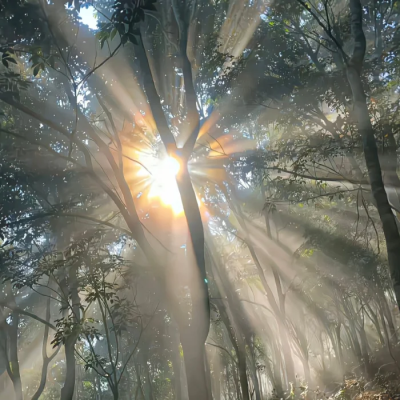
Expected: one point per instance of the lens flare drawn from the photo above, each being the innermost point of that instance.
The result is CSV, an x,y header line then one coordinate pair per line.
x,y
171,166
164,186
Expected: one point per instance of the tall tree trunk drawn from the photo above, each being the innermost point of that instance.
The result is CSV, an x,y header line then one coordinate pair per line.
x,y
253,369
46,359
389,169
227,382
364,352
9,331
242,369
279,392
193,337
388,317
366,131
67,391
374,319
231,320
139,382
217,378
194,356
339,344
352,333
13,358
148,385
176,363
235,381
386,333
143,357
208,375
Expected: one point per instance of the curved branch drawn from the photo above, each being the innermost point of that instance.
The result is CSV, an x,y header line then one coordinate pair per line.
x,y
225,350
27,313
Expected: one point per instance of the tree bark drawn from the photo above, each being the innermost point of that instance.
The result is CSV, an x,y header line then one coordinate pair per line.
x,y
194,356
9,331
67,391
232,324
46,359
195,333
176,363
13,349
217,378
389,170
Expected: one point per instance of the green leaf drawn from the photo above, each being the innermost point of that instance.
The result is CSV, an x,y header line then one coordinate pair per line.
x,y
113,33
36,70
87,384
120,28
8,58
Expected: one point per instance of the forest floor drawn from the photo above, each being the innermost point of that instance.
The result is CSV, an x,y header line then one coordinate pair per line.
x,y
385,384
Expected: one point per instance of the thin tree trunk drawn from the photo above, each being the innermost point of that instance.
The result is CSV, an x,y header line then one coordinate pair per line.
x,y
208,374
10,331
176,364
277,373
236,382
242,370
365,354
217,378
232,323
148,386
339,344
228,382
355,341
46,359
386,333
254,375
139,382
13,358
389,318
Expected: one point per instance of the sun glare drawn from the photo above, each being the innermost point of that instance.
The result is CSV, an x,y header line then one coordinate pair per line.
x,y
164,185
170,166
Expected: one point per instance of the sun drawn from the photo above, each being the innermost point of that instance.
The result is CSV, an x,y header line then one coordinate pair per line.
x,y
164,186
170,166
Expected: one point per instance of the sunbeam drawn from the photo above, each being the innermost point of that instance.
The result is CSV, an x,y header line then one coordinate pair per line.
x,y
163,185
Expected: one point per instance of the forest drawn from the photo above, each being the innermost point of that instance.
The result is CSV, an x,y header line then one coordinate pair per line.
x,y
199,200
